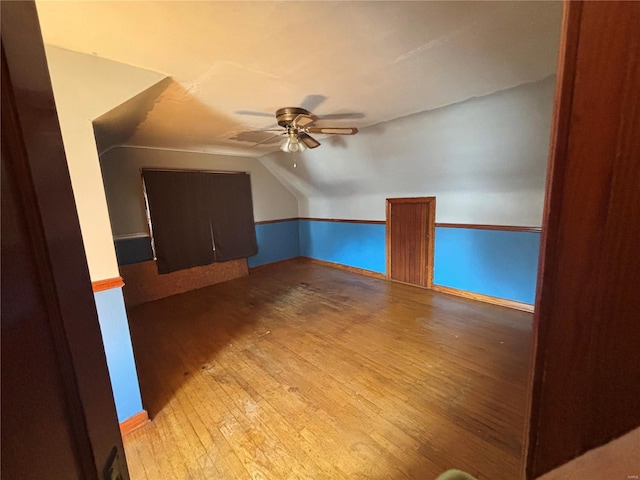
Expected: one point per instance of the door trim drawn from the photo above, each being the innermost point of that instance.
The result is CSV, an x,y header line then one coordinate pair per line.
x,y
33,150
431,222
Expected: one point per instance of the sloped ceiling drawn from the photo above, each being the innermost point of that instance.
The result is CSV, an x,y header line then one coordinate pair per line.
x,y
232,64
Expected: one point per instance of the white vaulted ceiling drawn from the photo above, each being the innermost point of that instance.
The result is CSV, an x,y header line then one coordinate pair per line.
x,y
376,61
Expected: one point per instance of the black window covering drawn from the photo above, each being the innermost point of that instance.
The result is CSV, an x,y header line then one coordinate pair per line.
x,y
231,216
198,218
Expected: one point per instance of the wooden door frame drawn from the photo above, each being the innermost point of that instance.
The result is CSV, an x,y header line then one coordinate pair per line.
x,y
33,153
575,280
431,227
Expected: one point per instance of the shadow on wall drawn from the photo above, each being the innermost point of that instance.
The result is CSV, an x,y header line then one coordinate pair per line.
x,y
337,141
167,115
118,125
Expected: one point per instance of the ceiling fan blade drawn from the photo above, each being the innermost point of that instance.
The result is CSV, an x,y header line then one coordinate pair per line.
x,y
333,130
312,102
254,136
302,121
268,140
308,140
255,114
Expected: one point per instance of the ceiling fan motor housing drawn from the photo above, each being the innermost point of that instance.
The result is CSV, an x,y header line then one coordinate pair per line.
x,y
286,115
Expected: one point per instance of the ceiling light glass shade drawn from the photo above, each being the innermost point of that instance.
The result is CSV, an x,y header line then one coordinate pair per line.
x,y
292,144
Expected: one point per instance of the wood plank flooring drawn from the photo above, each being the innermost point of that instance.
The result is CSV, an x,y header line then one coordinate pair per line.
x,y
304,371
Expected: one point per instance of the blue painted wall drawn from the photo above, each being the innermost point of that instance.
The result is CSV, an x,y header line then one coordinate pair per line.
x,y
276,241
133,250
117,347
360,245
498,263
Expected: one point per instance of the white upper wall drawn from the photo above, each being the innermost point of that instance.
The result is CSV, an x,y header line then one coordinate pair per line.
x,y
85,87
123,185
484,159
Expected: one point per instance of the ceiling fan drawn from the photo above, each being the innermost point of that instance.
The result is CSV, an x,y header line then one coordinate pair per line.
x,y
298,124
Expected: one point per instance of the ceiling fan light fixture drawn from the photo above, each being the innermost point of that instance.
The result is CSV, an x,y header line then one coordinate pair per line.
x,y
293,144
297,124
290,145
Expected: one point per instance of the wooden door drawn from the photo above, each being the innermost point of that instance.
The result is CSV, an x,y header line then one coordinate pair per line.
x,y
58,417
586,379
410,225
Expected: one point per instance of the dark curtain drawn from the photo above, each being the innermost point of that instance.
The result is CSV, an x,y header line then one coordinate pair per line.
x,y
179,208
234,230
198,218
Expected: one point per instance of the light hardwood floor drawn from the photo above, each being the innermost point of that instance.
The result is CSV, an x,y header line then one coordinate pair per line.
x,y
304,371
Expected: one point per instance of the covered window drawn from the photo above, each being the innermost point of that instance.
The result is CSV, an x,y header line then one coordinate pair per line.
x,y
197,218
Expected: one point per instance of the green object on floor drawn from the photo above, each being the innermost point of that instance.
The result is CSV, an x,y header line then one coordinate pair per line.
x,y
455,475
